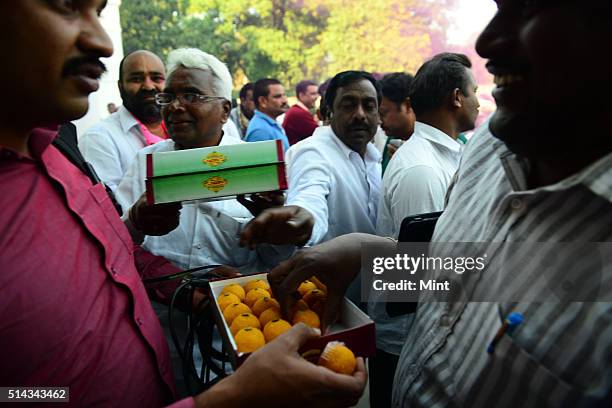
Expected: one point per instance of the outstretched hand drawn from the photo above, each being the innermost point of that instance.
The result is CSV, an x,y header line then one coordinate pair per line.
x,y
258,202
284,225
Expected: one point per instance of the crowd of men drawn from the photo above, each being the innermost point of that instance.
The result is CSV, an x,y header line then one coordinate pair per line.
x,y
77,235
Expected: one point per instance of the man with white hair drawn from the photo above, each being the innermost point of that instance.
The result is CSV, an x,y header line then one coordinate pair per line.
x,y
195,106
111,144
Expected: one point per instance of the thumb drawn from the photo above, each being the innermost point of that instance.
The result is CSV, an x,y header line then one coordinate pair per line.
x,y
298,335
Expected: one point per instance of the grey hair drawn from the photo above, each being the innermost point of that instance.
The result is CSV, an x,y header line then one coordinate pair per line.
x,y
195,58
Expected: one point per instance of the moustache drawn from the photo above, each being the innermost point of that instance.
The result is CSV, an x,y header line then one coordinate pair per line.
x,y
358,127
142,94
73,65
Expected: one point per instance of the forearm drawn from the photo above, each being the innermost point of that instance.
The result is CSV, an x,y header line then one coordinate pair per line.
x,y
221,395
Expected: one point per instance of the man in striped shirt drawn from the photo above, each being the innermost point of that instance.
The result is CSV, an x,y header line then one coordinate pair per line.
x,y
523,179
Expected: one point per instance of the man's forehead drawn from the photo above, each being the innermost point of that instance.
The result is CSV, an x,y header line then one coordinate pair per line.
x,y
276,89
143,62
358,89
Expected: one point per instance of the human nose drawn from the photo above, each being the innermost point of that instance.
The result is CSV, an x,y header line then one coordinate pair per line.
x,y
176,104
360,113
148,84
93,39
497,36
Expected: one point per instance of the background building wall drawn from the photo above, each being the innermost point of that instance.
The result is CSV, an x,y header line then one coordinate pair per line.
x,y
108,91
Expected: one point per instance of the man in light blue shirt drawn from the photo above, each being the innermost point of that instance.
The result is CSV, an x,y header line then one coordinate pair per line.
x,y
270,102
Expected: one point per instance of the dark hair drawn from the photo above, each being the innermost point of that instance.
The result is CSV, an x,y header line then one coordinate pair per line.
x,y
436,79
302,87
262,88
343,79
246,88
396,87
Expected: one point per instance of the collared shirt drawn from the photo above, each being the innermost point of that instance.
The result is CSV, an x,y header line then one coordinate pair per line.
x,y
73,310
335,184
208,231
560,355
298,123
417,177
111,144
262,127
415,182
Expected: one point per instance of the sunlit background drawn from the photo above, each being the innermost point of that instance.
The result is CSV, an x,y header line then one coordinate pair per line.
x,y
297,39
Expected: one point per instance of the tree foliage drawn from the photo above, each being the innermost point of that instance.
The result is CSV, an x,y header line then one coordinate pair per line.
x,y
291,39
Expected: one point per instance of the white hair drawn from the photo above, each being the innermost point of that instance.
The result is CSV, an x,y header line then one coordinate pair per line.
x,y
195,58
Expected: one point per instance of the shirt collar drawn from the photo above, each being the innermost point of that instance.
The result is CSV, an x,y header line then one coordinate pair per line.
x,y
372,153
126,119
435,135
266,118
596,176
301,105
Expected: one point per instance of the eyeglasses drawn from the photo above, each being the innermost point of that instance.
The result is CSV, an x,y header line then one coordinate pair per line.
x,y
189,98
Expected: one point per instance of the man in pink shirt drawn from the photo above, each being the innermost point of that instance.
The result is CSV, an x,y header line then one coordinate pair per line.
x,y
73,310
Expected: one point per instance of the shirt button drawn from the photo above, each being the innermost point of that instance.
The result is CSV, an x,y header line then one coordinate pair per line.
x,y
139,321
198,246
516,203
113,270
445,320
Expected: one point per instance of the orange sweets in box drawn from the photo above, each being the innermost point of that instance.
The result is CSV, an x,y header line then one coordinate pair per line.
x,y
254,295
234,310
302,314
244,320
257,283
249,339
275,328
264,303
269,314
250,310
226,299
236,290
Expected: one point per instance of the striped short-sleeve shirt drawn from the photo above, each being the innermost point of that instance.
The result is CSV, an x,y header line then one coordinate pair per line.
x,y
562,354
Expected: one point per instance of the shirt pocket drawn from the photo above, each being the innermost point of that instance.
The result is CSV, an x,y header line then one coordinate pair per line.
x,y
513,377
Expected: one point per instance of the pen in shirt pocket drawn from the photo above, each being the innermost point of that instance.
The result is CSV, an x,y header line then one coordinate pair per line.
x,y
511,322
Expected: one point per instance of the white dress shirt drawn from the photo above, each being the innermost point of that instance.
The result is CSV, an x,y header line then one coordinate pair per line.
x,y
415,182
417,177
208,232
338,187
111,144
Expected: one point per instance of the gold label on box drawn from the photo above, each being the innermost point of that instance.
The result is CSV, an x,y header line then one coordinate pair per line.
x,y
214,184
214,159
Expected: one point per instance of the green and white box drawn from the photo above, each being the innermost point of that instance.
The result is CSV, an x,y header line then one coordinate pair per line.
x,y
215,172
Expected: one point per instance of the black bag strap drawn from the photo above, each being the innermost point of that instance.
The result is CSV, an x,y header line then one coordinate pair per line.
x,y
67,143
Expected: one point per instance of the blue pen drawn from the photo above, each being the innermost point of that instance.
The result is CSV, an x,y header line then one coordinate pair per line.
x,y
513,320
